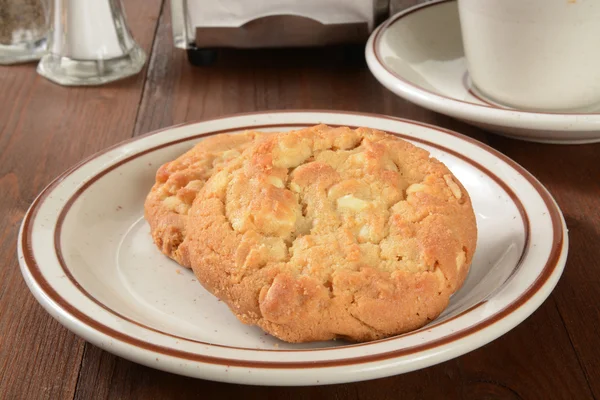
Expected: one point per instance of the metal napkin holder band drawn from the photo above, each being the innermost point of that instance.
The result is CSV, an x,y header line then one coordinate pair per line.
x,y
270,31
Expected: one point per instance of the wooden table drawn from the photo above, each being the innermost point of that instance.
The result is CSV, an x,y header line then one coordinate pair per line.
x,y
45,128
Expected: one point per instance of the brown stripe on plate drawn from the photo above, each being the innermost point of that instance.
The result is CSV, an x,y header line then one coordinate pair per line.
x,y
95,178
550,266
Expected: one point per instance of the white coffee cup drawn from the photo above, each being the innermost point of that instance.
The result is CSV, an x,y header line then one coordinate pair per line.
x,y
534,54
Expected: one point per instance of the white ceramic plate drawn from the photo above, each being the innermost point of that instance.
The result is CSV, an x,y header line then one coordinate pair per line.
x,y
418,55
86,254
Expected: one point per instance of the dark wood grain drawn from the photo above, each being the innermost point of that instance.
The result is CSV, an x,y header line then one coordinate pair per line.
x,y
572,175
45,128
253,80
554,354
478,375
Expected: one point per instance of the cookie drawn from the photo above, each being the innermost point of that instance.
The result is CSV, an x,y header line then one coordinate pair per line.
x,y
178,182
327,233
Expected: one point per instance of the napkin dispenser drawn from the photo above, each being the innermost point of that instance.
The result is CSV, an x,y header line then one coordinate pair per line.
x,y
201,26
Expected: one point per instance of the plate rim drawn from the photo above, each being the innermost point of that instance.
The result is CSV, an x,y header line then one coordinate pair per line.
x,y
81,189
556,257
530,120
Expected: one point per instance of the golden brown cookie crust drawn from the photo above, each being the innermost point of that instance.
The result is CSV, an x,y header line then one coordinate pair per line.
x,y
178,182
332,232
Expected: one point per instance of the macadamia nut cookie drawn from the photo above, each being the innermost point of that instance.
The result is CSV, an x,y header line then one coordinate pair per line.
x,y
327,233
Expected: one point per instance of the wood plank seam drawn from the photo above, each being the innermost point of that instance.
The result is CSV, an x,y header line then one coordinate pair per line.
x,y
150,60
579,361
85,349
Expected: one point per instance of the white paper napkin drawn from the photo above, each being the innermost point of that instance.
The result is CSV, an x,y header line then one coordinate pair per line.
x,y
234,13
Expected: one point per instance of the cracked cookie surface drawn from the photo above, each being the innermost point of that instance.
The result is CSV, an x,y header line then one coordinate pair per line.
x,y
178,182
327,233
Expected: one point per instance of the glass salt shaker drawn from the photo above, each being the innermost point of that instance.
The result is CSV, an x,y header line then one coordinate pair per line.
x,y
23,30
89,44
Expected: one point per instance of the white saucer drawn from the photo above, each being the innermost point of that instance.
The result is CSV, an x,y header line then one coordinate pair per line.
x,y
87,256
418,55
